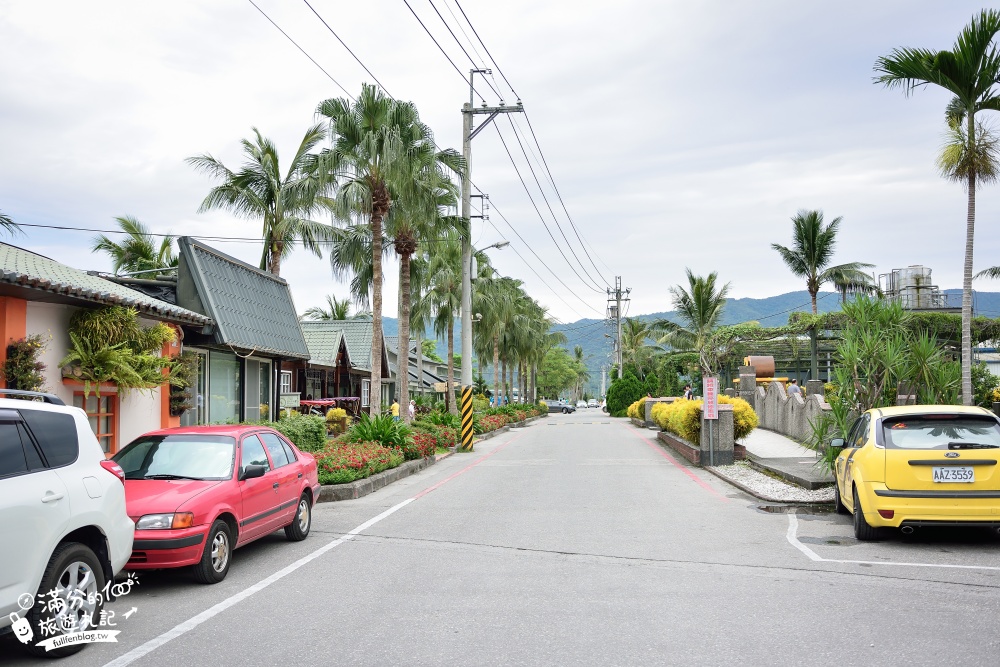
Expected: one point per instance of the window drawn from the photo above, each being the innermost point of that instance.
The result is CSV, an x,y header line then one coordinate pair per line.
x,y
286,382
253,454
289,452
366,389
101,412
258,389
198,414
12,459
223,387
274,448
178,456
941,432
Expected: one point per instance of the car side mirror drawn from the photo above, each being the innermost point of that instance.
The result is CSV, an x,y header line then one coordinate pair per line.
x,y
252,471
837,442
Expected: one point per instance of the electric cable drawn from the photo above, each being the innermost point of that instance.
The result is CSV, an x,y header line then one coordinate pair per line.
x,y
492,59
475,65
443,52
332,32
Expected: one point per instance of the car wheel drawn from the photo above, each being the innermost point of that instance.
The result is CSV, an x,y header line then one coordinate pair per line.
x,y
565,411
862,530
838,504
298,529
75,573
218,554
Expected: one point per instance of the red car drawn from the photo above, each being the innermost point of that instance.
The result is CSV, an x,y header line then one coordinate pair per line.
x,y
196,493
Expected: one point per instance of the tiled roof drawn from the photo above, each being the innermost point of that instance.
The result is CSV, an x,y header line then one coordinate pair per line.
x,y
26,269
252,309
392,344
323,344
357,334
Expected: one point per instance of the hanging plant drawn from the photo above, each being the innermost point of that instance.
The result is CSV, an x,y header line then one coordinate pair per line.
x,y
110,346
185,373
22,369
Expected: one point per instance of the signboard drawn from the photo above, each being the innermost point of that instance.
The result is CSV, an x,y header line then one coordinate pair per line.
x,y
710,390
290,400
442,387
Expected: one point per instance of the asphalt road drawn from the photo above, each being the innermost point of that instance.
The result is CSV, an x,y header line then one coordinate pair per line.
x,y
576,540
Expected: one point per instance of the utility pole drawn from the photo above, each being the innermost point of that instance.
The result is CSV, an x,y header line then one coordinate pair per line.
x,y
468,134
604,381
615,298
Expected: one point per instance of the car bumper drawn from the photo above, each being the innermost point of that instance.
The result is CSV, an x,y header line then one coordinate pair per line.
x,y
924,508
154,549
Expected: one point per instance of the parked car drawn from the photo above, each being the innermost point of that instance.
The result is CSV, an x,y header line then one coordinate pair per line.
x,y
912,466
197,493
581,404
559,405
63,518
593,403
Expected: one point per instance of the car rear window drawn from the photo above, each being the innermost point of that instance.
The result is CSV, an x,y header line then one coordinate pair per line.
x,y
55,433
941,432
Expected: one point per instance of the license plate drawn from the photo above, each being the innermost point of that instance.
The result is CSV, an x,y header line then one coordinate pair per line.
x,y
954,474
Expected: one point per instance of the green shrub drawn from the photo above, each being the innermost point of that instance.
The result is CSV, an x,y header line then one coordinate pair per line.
x,y
307,432
683,417
744,418
443,419
638,409
382,429
623,392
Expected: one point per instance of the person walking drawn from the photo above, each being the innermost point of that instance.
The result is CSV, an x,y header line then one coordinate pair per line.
x,y
412,409
793,387
395,411
688,394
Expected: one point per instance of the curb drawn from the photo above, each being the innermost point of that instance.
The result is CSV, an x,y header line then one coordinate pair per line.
x,y
758,496
362,487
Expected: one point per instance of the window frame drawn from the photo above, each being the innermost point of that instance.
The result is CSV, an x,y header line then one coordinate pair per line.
x,y
286,382
115,410
366,393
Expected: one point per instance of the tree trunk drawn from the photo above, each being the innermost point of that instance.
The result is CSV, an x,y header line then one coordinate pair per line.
x,y
524,382
403,351
970,230
503,381
450,400
812,295
510,395
375,393
534,383
419,342
274,261
496,370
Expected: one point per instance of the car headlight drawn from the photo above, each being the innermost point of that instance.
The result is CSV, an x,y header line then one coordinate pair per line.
x,y
165,521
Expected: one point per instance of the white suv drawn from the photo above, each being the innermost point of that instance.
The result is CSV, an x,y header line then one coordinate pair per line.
x,y
62,519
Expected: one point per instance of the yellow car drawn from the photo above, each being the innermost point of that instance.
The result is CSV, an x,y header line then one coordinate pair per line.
x,y
919,465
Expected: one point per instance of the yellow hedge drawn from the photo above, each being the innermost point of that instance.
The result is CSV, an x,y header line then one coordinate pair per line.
x,y
683,417
637,410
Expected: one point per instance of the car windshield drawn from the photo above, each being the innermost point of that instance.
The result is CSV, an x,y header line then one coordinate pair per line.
x,y
941,432
178,457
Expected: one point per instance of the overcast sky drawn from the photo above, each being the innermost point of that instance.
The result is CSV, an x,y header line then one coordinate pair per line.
x,y
680,134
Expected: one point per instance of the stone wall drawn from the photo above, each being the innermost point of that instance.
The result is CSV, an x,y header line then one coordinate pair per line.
x,y
789,415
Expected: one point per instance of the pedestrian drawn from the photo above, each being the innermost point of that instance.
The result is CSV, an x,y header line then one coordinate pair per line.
x,y
412,409
688,394
395,411
793,387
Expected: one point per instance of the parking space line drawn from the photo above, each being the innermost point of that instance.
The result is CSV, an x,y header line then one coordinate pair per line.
x,y
793,539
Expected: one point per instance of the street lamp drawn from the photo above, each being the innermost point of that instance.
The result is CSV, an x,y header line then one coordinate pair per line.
x,y
467,316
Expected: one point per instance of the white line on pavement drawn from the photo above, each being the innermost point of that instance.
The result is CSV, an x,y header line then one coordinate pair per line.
x,y
792,535
217,609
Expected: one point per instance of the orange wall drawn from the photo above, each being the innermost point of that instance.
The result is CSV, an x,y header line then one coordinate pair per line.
x,y
170,349
13,324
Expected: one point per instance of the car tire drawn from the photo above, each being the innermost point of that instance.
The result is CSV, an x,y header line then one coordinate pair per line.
x,y
862,529
565,411
838,504
298,529
67,563
217,555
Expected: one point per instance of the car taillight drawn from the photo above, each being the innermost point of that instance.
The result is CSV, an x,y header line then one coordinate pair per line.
x,y
887,514
114,469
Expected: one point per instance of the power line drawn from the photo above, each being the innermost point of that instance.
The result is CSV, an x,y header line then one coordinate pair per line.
x,y
443,52
540,216
475,65
329,76
493,60
346,47
549,206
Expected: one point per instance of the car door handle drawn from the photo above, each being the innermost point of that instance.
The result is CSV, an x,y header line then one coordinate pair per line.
x,y
275,486
52,497
300,476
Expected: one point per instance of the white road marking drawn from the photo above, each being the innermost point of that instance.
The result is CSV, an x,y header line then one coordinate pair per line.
x,y
792,535
195,621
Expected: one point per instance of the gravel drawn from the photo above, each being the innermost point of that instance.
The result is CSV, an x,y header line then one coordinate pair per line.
x,y
769,488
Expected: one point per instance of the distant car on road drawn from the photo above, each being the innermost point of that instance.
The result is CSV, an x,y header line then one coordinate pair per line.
x,y
593,403
559,405
582,404
923,465
197,493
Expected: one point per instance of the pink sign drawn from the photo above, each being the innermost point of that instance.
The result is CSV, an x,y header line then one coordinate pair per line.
x,y
710,390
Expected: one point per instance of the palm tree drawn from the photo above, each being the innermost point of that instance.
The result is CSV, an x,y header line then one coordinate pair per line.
x,y
138,251
446,292
812,251
700,308
351,258
969,71
582,374
7,224
336,309
854,284
381,151
637,349
283,202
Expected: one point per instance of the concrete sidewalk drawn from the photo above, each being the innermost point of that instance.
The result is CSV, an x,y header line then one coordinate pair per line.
x,y
782,456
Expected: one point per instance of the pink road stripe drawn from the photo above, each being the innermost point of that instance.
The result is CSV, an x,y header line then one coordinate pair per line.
x,y
466,468
659,450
